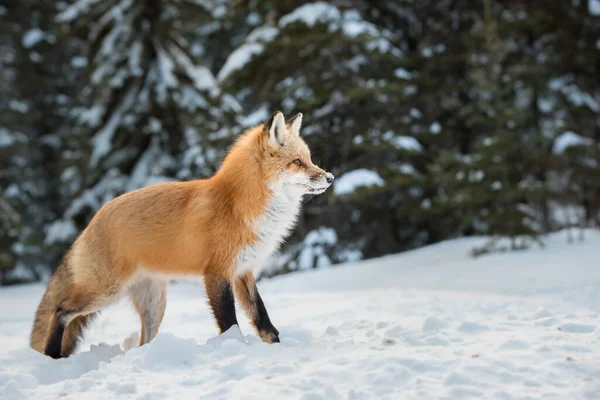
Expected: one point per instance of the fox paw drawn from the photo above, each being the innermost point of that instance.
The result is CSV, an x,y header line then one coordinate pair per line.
x,y
269,337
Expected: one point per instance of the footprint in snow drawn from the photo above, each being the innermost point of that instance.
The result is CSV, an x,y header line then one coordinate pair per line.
x,y
395,332
513,344
126,388
472,327
541,313
549,321
436,341
457,378
577,328
331,331
382,325
433,324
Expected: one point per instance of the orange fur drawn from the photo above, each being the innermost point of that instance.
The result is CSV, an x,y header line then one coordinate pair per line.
x,y
171,229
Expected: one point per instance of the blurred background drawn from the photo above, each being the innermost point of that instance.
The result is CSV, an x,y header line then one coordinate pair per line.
x,y
440,119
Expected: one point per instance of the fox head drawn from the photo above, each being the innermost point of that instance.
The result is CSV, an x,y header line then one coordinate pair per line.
x,y
287,156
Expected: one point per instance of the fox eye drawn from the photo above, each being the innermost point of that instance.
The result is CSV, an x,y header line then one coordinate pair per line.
x,y
298,162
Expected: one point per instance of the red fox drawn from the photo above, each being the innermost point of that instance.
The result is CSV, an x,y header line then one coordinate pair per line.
x,y
218,228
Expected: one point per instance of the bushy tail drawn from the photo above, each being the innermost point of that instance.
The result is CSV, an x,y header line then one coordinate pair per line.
x,y
74,332
44,318
58,290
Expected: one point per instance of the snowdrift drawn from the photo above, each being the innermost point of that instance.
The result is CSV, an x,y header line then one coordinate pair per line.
x,y
431,323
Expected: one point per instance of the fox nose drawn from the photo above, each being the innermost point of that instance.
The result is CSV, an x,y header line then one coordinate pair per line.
x,y
329,177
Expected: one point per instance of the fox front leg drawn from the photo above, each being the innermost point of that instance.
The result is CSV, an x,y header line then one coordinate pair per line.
x,y
248,296
220,297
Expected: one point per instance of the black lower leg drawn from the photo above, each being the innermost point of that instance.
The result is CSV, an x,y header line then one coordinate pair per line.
x,y
54,345
262,321
220,297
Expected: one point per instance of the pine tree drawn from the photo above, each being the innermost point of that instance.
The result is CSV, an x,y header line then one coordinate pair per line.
x,y
32,80
153,111
576,99
340,66
432,82
439,119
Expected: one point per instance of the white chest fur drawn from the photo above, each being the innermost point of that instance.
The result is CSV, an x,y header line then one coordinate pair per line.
x,y
271,228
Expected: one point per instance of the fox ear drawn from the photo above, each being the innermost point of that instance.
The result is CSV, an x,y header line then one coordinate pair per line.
x,y
295,123
276,129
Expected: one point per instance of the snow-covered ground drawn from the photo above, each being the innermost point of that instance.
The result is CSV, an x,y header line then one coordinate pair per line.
x,y
427,324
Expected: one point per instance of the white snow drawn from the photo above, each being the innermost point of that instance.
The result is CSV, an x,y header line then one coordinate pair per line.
x,y
33,37
60,231
134,61
353,25
427,324
75,10
102,140
191,99
259,116
311,13
219,11
427,52
21,272
335,100
142,172
79,62
13,189
238,58
476,176
406,169
355,28
350,23
92,116
352,180
313,250
264,33
7,138
415,113
435,128
19,106
407,143
569,139
253,18
201,76
401,73
241,56
322,235
574,93
166,67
